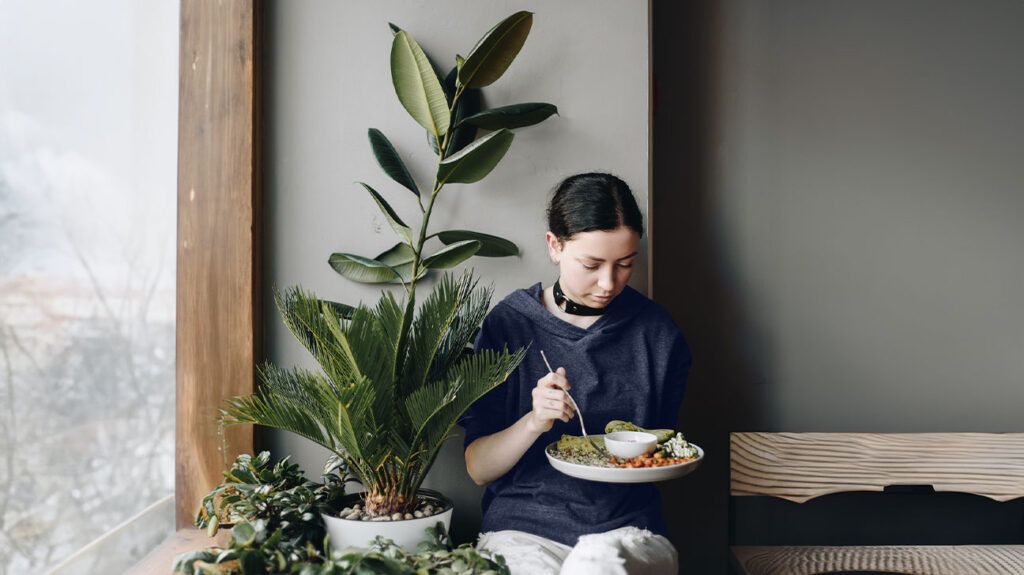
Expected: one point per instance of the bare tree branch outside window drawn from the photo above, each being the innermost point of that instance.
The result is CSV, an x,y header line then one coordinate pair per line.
x,y
87,220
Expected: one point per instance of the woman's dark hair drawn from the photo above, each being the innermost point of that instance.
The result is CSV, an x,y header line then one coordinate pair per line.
x,y
589,202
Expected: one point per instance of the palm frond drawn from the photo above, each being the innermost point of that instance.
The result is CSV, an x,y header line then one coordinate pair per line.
x,y
462,332
367,342
389,315
353,353
288,400
431,326
477,375
353,447
318,327
427,401
394,321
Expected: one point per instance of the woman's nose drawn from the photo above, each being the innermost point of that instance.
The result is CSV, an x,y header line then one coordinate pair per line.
x,y
606,280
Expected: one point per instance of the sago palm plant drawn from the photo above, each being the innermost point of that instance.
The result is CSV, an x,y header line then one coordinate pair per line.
x,y
388,395
394,380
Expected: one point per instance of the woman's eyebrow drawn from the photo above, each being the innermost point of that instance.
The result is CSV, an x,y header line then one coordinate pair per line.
x,y
601,260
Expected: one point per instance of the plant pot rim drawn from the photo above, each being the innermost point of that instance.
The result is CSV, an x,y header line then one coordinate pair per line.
x,y
446,504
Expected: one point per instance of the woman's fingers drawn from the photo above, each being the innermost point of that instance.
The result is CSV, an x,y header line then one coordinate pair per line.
x,y
556,408
561,410
559,398
554,393
554,411
558,395
550,400
555,379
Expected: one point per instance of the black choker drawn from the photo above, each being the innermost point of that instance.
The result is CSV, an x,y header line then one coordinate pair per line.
x,y
571,306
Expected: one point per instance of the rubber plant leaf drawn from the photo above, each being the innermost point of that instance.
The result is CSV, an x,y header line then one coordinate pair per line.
x,y
476,160
342,310
360,269
453,255
490,246
389,160
399,257
469,105
417,86
403,231
495,51
514,116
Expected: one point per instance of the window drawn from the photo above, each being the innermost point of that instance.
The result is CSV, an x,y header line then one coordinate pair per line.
x,y
88,160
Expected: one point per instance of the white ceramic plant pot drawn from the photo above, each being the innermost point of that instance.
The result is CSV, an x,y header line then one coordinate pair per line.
x,y
407,533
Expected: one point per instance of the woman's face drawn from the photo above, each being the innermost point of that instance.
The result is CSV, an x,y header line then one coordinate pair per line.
x,y
595,266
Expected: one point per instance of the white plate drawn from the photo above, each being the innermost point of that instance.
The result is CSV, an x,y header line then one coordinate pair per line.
x,y
622,475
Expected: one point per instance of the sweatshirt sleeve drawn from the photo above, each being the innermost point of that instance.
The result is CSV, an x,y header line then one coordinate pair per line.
x,y
679,362
488,415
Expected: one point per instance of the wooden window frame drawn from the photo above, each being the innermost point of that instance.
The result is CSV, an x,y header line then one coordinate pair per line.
x,y
218,339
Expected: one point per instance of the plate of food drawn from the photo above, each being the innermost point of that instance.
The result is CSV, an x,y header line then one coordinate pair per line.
x,y
663,454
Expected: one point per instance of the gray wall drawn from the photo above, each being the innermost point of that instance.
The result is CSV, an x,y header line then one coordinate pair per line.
x,y
329,81
837,204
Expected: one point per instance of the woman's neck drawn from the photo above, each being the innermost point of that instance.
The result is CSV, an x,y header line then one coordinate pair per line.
x,y
583,321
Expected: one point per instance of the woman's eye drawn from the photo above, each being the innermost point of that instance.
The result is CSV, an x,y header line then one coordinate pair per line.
x,y
585,266
626,266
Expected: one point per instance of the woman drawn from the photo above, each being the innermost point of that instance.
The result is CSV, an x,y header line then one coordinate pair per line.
x,y
622,357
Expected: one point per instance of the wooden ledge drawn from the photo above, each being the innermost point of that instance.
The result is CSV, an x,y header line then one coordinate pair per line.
x,y
161,559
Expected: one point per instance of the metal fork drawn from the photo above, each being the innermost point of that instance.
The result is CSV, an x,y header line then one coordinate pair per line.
x,y
599,448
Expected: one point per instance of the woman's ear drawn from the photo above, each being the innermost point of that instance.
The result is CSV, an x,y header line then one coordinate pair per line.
x,y
554,248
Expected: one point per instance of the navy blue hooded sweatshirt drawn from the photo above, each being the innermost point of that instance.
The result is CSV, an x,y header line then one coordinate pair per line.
x,y
631,364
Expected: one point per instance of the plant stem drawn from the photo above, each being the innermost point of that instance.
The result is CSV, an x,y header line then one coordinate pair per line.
x,y
442,151
400,490
443,147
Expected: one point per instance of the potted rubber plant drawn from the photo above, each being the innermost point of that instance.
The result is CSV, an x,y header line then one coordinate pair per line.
x,y
395,377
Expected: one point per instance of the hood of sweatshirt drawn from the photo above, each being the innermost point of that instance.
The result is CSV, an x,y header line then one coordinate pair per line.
x,y
626,307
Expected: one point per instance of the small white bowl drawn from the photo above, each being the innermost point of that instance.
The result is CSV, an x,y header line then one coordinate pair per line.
x,y
628,444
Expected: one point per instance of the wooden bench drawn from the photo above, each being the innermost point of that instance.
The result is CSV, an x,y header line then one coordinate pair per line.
x,y
801,466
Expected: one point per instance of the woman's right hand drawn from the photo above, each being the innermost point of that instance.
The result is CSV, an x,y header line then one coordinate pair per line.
x,y
550,401
492,456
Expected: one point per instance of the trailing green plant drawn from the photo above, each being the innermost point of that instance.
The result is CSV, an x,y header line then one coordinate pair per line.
x,y
278,497
255,550
394,378
436,556
277,531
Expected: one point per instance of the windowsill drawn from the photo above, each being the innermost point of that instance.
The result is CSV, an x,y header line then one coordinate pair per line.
x,y
161,559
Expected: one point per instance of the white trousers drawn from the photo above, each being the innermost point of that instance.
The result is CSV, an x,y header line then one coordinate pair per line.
x,y
624,551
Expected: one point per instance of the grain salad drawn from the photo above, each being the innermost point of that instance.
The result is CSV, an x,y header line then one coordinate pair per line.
x,y
672,449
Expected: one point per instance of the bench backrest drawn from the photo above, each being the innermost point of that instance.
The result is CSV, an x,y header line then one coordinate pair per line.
x,y
802,466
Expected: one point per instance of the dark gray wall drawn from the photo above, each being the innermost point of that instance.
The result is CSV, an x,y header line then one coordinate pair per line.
x,y
837,209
